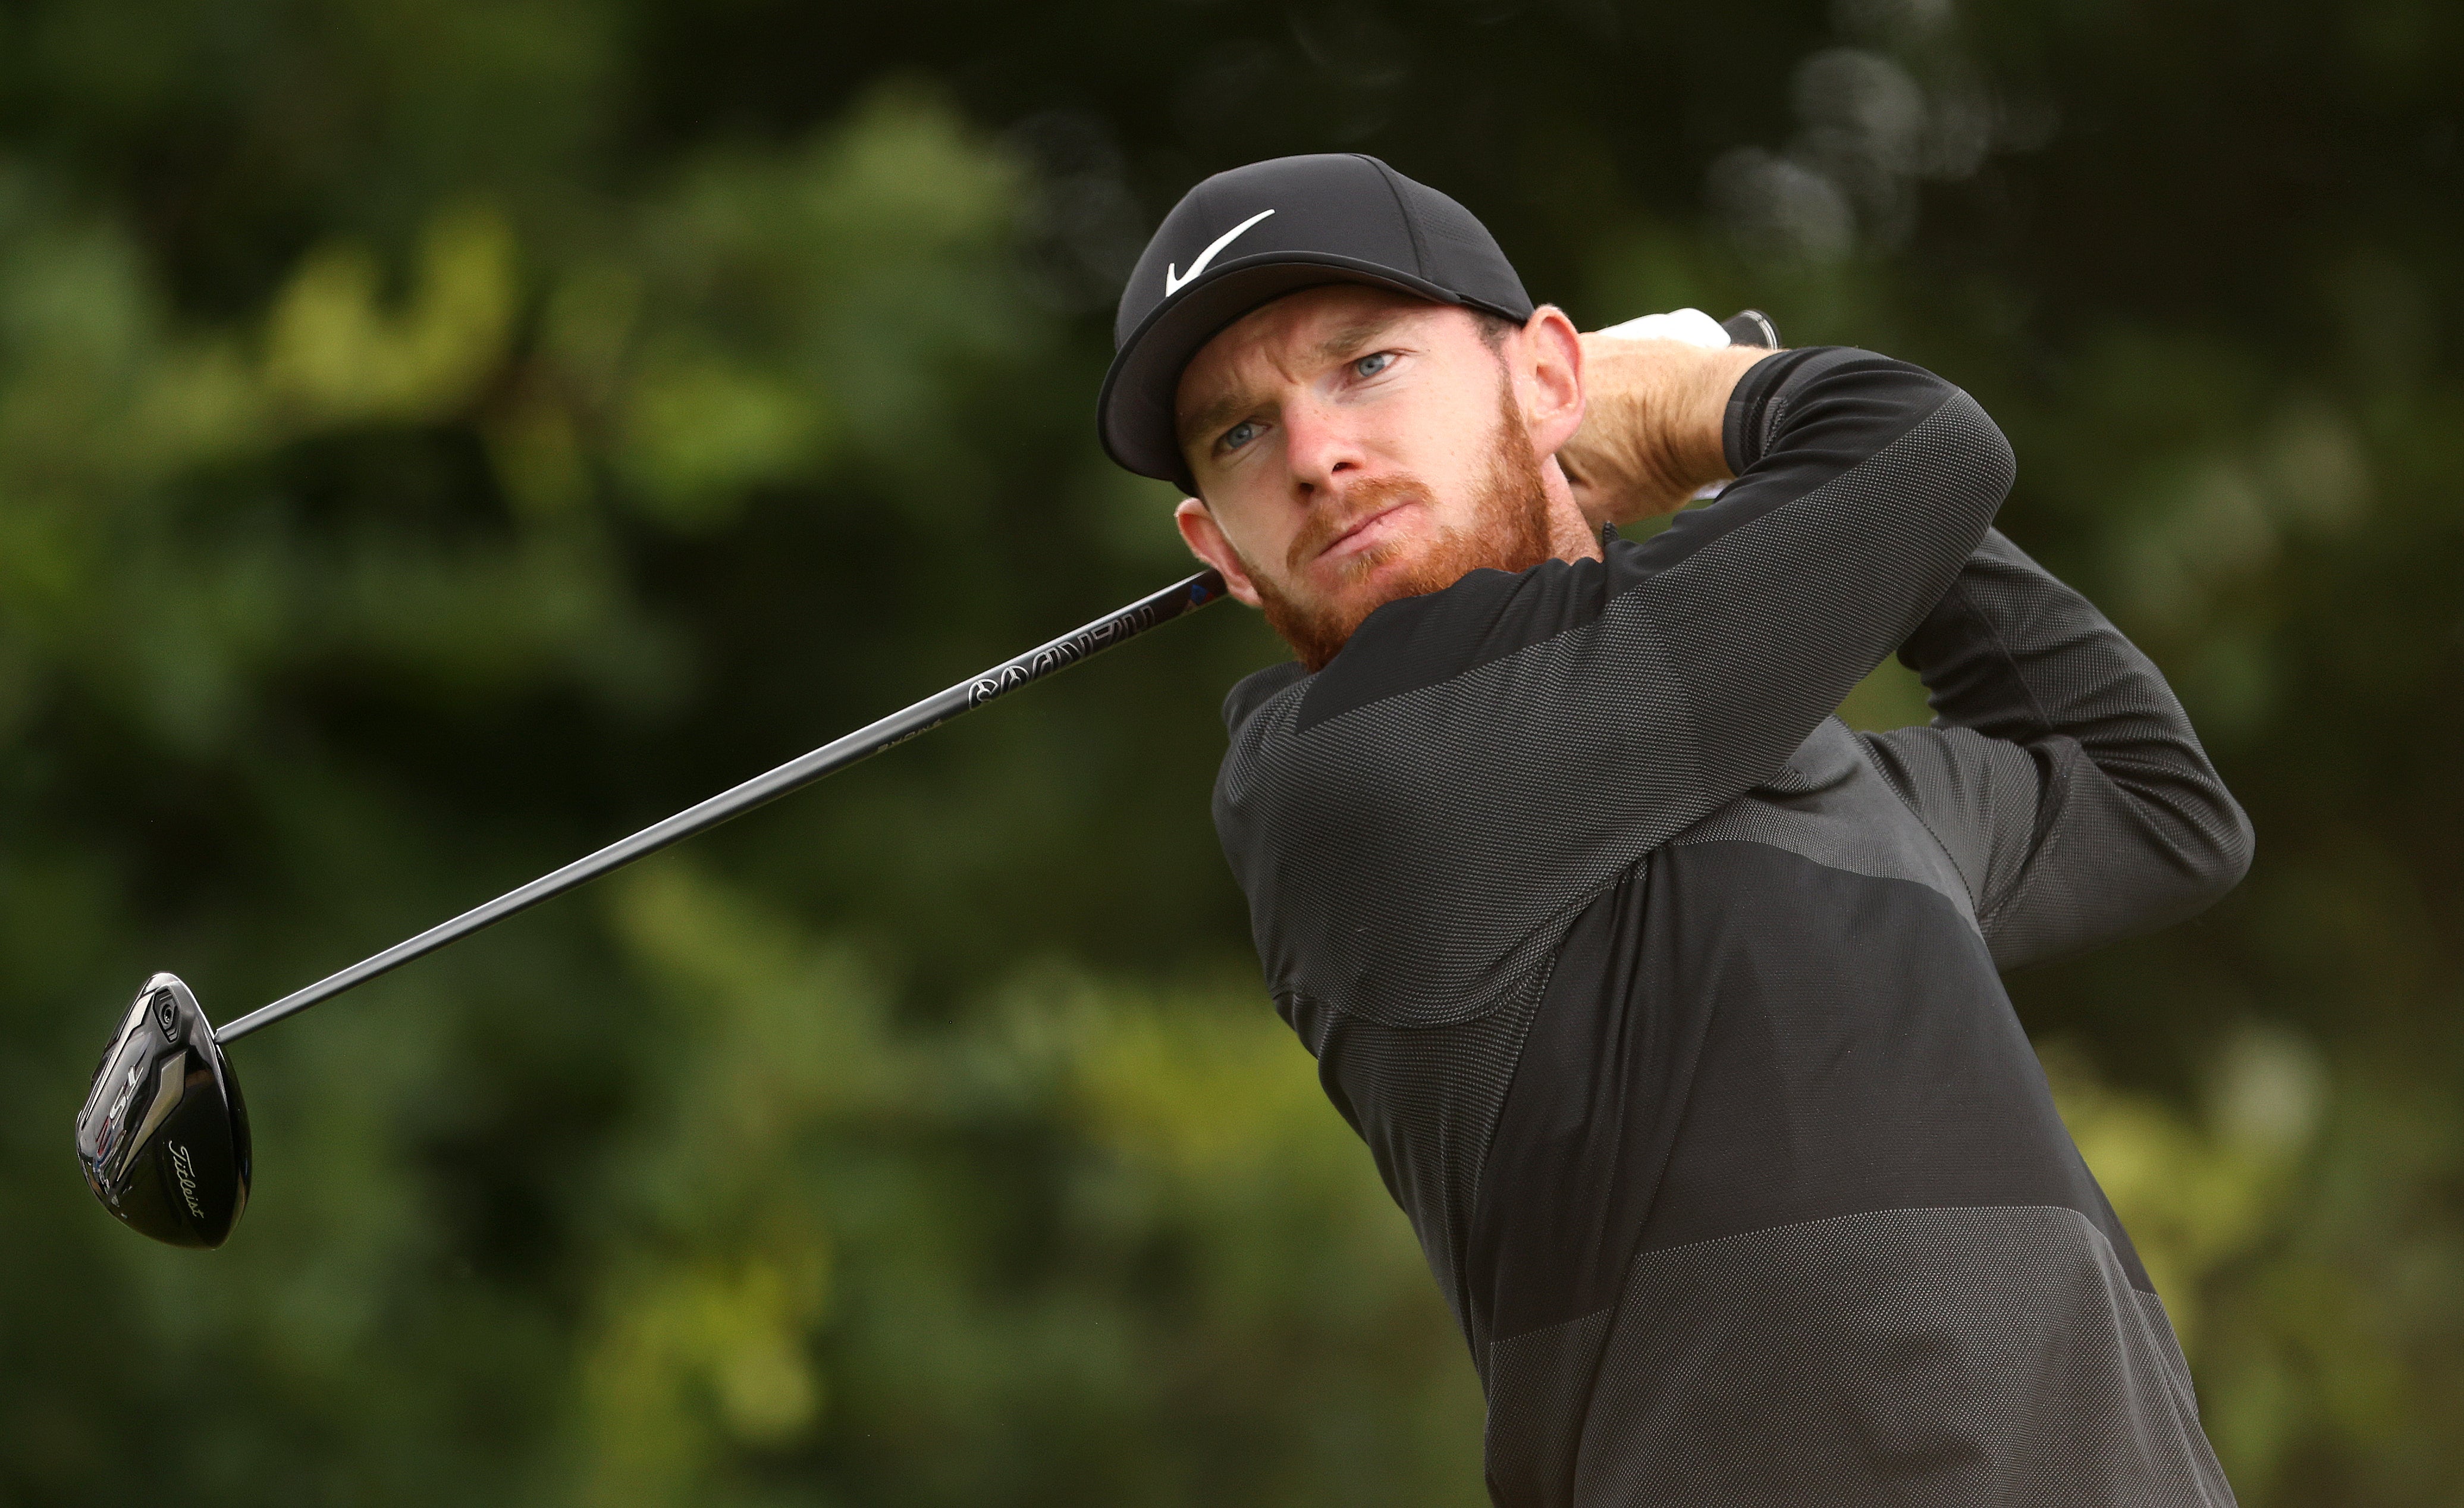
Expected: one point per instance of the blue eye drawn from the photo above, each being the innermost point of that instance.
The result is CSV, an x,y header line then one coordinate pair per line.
x,y
1372,364
1239,434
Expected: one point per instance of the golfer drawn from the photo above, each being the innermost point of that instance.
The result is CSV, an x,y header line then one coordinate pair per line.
x,y
1668,1007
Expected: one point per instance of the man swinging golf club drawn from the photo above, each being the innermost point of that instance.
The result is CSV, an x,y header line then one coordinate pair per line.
x,y
1667,1006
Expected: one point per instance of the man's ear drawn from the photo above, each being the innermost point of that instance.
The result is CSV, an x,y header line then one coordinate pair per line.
x,y
1551,381
1205,540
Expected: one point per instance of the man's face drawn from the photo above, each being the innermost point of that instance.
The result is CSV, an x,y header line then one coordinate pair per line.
x,y
1354,446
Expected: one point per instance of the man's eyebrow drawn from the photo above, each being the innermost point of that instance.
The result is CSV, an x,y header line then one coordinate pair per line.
x,y
1351,338
1215,416
1337,344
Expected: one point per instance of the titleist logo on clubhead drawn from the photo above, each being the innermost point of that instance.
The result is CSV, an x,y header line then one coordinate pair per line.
x,y
1067,651
186,1173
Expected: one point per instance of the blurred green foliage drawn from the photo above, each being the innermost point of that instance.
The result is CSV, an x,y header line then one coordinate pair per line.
x,y
437,439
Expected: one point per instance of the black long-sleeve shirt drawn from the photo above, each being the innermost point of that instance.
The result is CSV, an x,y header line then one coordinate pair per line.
x,y
1669,1008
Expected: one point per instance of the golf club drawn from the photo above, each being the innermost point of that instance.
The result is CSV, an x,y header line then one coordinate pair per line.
x,y
163,1138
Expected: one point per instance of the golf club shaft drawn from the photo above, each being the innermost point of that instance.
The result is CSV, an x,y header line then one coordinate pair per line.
x,y
829,758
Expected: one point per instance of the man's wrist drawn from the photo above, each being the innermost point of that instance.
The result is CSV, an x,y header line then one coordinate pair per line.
x,y
1652,434
1703,436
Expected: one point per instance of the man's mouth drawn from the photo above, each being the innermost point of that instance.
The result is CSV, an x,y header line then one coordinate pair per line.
x,y
1365,532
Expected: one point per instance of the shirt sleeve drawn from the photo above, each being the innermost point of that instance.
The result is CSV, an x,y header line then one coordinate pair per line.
x,y
2060,772
1407,822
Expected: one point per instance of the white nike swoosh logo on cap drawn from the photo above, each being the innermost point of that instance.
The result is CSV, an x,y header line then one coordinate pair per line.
x,y
1173,280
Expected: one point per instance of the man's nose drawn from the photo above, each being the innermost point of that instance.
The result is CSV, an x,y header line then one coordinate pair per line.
x,y
1321,449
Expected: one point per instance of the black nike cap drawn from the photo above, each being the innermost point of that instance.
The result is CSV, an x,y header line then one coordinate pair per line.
x,y
1247,236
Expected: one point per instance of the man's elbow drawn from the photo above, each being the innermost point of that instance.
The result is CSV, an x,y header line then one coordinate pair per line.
x,y
1971,455
2170,857
2232,857
2212,846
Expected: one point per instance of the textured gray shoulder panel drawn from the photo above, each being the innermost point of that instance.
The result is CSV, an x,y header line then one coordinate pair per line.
x,y
1416,861
1940,1357
1830,805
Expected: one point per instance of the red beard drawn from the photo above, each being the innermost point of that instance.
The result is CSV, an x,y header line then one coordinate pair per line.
x,y
1509,531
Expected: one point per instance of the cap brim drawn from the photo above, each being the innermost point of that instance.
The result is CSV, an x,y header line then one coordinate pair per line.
x,y
1135,412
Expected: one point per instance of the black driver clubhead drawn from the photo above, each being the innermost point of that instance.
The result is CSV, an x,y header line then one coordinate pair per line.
x,y
164,1135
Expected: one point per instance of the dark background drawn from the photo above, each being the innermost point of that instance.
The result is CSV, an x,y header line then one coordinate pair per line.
x,y
439,436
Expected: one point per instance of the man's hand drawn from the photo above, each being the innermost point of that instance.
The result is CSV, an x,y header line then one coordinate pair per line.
x,y
1650,437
